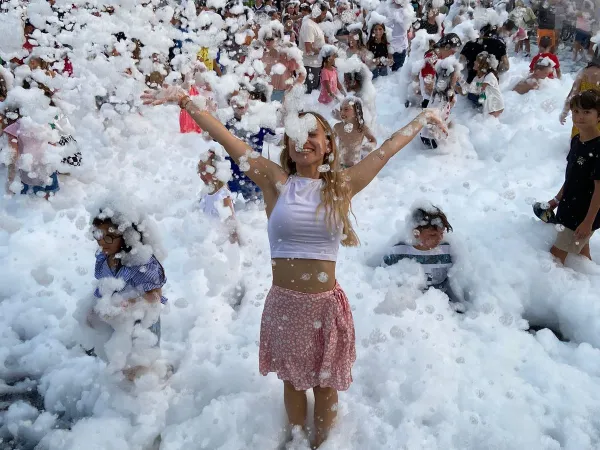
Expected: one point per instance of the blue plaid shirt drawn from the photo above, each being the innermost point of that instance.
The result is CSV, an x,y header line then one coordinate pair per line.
x,y
138,279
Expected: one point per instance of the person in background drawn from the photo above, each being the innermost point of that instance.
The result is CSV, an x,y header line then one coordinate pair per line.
x,y
240,183
312,39
578,200
351,133
583,30
543,69
399,41
330,83
545,46
546,15
490,42
218,202
379,46
524,18
587,79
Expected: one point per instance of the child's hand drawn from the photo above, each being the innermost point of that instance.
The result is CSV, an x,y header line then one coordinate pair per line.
x,y
552,204
168,94
431,117
584,230
563,117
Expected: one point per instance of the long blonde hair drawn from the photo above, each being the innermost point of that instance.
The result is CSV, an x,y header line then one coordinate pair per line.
x,y
335,195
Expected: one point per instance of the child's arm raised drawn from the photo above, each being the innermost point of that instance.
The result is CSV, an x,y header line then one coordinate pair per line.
x,y
266,174
574,91
363,173
585,228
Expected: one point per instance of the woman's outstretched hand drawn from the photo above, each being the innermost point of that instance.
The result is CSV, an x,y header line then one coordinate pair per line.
x,y
432,117
167,94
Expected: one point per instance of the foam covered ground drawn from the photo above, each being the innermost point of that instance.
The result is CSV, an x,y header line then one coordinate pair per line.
x,y
425,377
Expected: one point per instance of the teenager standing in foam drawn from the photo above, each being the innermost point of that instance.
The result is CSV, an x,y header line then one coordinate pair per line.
x,y
307,331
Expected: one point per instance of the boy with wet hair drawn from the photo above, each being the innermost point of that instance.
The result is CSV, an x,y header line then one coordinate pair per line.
x,y
578,200
429,226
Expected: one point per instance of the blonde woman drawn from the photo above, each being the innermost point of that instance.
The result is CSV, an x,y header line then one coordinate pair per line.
x,y
307,331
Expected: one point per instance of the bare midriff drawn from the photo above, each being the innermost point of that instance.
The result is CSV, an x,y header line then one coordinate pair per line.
x,y
310,276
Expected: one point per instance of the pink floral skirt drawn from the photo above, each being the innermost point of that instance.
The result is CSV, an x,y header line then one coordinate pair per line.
x,y
308,339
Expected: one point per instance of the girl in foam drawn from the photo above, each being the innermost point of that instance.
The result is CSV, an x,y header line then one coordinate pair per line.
x,y
330,84
128,296
351,133
307,331
484,89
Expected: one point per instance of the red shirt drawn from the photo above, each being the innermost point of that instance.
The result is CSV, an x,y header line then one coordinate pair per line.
x,y
539,56
428,70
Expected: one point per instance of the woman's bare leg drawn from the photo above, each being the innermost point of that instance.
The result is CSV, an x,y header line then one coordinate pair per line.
x,y
326,400
295,405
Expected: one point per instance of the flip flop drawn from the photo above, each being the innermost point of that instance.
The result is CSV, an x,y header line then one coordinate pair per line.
x,y
545,215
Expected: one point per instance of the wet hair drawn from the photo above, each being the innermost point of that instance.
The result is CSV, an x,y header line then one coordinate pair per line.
x,y
360,39
325,58
545,42
424,219
356,104
357,77
586,100
489,31
509,25
259,92
484,61
125,248
450,40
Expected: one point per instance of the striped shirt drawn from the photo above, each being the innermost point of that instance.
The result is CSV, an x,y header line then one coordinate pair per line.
x,y
436,262
138,279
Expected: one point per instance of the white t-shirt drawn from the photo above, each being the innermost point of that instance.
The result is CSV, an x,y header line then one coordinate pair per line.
x,y
212,204
311,32
399,42
493,97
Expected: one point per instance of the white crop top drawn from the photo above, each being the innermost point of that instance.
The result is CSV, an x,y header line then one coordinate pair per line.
x,y
295,229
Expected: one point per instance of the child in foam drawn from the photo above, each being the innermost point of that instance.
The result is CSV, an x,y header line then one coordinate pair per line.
x,y
429,226
485,90
543,69
129,292
438,82
351,133
217,203
545,47
578,200
331,87
379,46
308,207
29,150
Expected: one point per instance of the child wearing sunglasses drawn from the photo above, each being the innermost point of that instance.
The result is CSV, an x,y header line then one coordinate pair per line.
x,y
428,248
129,290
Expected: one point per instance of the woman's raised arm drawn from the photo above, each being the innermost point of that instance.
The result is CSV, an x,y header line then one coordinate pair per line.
x,y
265,173
362,174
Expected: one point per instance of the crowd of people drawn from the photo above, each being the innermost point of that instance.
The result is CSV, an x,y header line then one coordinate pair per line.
x,y
274,55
